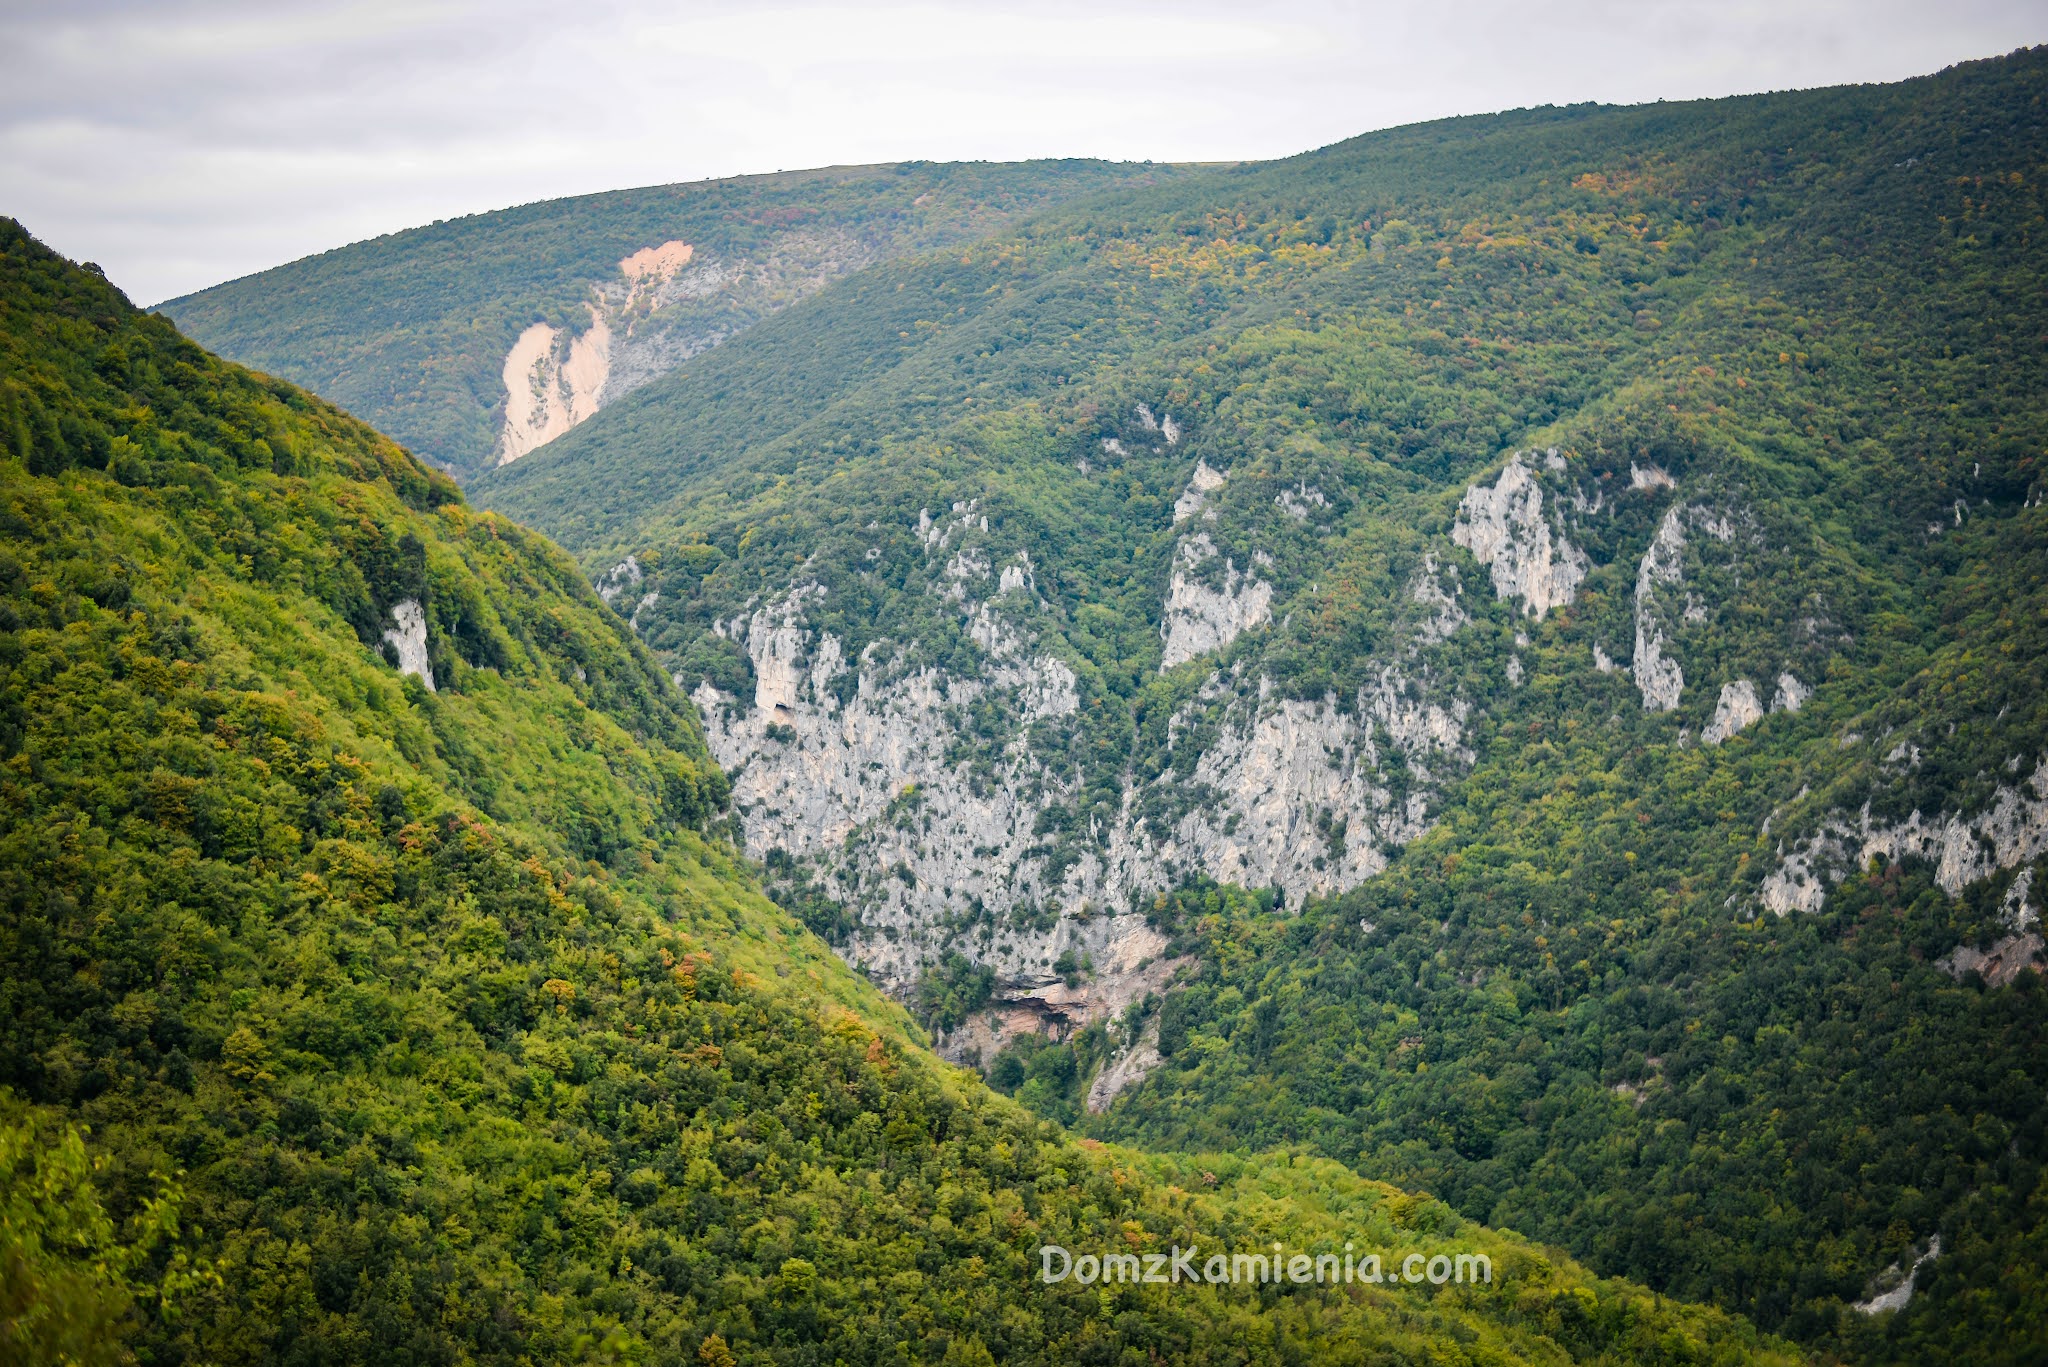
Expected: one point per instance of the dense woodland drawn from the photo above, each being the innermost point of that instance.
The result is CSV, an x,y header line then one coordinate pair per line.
x,y
347,1019
1562,1010
342,1020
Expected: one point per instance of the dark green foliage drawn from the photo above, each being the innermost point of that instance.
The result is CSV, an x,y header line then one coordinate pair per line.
x,y
950,990
421,1027
1650,1091
1823,310
1051,1077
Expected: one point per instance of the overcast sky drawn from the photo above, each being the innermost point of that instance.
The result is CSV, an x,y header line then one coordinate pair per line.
x,y
184,143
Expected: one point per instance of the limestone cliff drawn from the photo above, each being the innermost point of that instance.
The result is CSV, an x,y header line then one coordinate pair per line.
x,y
1204,617
2011,831
869,771
933,793
1508,532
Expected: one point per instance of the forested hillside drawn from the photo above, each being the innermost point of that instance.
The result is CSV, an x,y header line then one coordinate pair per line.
x,y
371,990
420,332
1506,652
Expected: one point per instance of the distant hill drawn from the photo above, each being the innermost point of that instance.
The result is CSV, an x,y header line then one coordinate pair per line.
x,y
1507,652
476,339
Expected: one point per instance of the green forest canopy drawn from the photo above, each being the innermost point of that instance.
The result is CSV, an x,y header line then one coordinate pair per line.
x,y
347,1020
1822,310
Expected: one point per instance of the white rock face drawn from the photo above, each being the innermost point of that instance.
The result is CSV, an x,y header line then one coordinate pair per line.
x,y
1288,765
1295,793
1201,484
1427,588
409,639
1505,529
1737,710
1900,1282
1658,678
2011,955
1791,695
1999,965
1666,602
2018,909
2010,832
619,578
876,773
1018,577
1297,501
1125,1071
871,761
1298,798
1200,618
864,769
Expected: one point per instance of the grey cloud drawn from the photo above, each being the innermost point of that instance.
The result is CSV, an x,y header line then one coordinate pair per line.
x,y
184,143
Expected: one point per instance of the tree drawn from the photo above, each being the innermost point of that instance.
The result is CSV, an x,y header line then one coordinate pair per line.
x,y
70,1280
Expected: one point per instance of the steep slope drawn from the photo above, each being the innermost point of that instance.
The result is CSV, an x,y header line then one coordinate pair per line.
x,y
369,989
1565,549
478,339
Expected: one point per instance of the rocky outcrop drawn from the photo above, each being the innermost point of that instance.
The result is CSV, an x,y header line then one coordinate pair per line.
x,y
1295,804
1658,677
1167,427
1427,589
938,836
1791,694
1201,484
1506,530
407,639
1126,1070
2010,832
1134,966
913,837
1738,709
2001,963
1741,707
619,579
662,305
1300,501
1704,551
827,766
1893,1287
1299,794
1204,616
622,582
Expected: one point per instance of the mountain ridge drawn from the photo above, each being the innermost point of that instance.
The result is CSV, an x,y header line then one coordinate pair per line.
x,y
446,335
1057,602
398,1000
